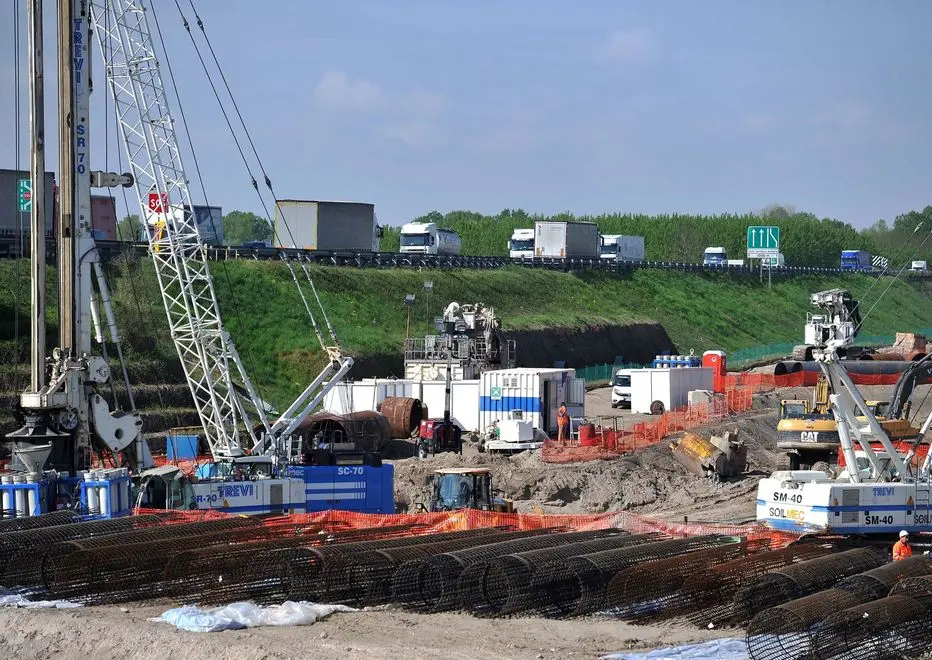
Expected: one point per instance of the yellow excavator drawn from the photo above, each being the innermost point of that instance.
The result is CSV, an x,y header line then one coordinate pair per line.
x,y
807,432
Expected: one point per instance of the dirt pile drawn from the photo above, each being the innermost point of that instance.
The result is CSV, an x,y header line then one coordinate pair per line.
x,y
648,481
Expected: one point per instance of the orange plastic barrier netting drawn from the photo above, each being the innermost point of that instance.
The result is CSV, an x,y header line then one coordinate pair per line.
x,y
739,397
448,521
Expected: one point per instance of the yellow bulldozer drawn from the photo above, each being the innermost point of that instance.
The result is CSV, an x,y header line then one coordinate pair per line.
x,y
808,434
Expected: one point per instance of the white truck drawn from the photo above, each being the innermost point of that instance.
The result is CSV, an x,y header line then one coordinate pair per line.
x,y
715,256
919,266
735,262
566,240
428,238
521,244
622,248
774,262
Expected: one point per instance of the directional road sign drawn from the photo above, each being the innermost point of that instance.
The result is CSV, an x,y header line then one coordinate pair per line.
x,y
24,195
763,242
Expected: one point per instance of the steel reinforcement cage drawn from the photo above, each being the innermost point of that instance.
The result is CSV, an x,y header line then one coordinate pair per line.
x,y
430,584
502,585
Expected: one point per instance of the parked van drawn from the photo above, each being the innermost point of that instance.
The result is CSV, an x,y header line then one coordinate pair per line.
x,y
621,388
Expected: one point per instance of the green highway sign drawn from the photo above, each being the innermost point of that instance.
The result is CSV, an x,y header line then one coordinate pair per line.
x,y
24,195
763,242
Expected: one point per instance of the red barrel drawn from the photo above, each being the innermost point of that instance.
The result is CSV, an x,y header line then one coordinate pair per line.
x,y
587,436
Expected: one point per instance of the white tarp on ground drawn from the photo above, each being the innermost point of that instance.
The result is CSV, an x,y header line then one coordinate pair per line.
x,y
248,615
727,648
10,599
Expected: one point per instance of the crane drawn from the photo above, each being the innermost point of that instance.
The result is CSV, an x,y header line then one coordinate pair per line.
x,y
878,492
65,413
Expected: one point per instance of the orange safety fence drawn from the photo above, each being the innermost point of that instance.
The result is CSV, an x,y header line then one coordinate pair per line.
x,y
607,443
448,521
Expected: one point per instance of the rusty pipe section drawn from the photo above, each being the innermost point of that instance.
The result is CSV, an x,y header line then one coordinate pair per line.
x,y
404,415
366,431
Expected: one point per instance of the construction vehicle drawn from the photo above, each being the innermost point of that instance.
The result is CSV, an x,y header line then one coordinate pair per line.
x,y
64,413
879,492
440,435
808,434
466,488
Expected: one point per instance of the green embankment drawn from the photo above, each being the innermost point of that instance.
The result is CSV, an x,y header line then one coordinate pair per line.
x,y
266,317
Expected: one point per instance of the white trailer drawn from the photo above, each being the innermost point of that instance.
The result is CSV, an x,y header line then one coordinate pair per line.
x,y
316,225
669,387
428,238
521,244
565,240
622,248
919,266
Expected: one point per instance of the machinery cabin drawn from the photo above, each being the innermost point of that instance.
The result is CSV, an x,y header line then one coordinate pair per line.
x,y
466,488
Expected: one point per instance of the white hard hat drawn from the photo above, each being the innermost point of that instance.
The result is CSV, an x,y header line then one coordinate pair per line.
x,y
904,533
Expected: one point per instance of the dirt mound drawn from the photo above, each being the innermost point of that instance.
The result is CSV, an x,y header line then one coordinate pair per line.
x,y
647,481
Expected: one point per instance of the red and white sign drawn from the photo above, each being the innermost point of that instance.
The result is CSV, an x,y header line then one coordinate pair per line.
x,y
158,203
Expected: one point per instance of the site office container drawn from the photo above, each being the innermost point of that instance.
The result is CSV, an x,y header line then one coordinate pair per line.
x,y
669,386
316,225
369,393
536,392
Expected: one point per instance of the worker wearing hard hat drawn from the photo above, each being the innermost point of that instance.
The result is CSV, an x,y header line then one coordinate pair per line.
x,y
902,549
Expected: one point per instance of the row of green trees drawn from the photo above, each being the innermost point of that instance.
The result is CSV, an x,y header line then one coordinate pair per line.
x,y
805,239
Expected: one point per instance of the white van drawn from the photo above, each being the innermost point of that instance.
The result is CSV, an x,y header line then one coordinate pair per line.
x,y
621,388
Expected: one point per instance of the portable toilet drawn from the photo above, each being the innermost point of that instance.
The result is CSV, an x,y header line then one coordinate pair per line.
x,y
715,360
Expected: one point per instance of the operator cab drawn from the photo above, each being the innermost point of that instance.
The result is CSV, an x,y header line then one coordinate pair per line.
x,y
166,488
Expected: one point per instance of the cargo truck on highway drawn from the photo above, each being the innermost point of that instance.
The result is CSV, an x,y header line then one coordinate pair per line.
x,y
715,256
428,238
521,244
566,240
622,248
315,225
919,266
857,260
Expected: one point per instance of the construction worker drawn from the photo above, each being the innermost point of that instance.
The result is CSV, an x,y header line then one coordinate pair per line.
x,y
563,422
902,549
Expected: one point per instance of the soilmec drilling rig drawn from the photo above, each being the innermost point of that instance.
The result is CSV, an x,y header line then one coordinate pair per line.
x,y
878,492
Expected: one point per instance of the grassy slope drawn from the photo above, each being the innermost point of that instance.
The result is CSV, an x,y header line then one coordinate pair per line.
x,y
266,317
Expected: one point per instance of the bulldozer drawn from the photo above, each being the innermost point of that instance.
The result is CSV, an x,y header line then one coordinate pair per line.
x,y
466,488
808,434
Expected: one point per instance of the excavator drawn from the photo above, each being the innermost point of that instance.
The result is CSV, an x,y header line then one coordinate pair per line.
x,y
807,431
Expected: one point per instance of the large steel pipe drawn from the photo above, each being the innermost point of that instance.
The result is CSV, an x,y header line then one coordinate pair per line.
x,y
404,415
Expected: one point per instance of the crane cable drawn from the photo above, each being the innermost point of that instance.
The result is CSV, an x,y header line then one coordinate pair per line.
x,y
248,135
246,355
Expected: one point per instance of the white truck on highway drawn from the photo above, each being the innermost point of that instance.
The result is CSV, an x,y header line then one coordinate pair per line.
x,y
521,244
919,266
715,256
622,248
566,240
428,238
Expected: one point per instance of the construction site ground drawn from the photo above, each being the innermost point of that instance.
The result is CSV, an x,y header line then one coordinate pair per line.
x,y
648,482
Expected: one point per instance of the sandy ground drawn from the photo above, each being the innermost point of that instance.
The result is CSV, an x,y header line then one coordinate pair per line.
x,y
116,633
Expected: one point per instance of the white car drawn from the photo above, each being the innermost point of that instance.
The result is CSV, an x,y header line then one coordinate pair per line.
x,y
621,388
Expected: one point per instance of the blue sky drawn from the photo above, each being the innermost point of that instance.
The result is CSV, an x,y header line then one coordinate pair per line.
x,y
591,106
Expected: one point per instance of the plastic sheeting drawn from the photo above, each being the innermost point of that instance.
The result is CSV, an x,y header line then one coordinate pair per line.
x,y
717,649
10,599
237,616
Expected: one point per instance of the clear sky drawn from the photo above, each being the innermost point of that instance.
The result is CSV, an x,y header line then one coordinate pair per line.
x,y
590,106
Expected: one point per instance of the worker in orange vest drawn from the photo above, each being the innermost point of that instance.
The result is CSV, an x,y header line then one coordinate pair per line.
x,y
902,549
563,421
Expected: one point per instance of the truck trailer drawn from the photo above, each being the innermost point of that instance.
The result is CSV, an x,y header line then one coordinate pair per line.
x,y
566,240
622,248
316,225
